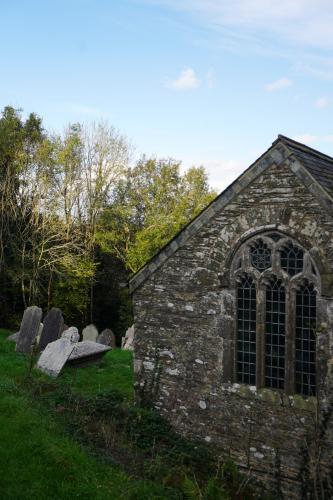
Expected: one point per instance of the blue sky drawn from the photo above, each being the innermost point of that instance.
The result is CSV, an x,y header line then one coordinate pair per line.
x,y
209,82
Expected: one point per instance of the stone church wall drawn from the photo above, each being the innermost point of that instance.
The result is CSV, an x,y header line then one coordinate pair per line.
x,y
184,333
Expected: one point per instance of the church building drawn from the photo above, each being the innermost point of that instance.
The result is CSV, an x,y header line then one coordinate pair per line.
x,y
234,321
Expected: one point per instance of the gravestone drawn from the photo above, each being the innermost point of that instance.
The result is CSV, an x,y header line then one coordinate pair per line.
x,y
72,334
107,337
29,329
86,352
90,332
127,341
53,327
54,356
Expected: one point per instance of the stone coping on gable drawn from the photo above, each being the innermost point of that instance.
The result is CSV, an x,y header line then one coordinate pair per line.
x,y
274,155
277,154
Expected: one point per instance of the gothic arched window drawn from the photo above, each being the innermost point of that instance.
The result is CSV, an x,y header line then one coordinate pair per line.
x,y
276,285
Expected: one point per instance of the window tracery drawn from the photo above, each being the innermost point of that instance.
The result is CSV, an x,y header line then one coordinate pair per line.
x,y
292,259
276,314
260,254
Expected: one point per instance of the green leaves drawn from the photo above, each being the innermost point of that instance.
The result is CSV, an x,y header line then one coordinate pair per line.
x,y
76,220
150,206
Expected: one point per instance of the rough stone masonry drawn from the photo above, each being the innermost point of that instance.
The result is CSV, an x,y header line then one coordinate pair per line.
x,y
191,358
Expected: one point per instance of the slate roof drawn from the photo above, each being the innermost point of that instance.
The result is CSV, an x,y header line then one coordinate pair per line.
x,y
313,168
318,164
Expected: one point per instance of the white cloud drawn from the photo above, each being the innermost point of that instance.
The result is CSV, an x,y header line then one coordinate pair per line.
x,y
328,138
318,66
298,21
298,30
314,139
186,80
306,138
322,102
280,84
221,172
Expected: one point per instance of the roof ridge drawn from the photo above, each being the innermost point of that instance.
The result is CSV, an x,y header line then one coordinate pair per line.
x,y
303,147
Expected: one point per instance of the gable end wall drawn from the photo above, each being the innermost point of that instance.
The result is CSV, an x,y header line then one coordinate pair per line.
x,y
182,314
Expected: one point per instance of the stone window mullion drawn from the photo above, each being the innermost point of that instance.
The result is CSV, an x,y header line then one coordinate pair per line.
x,y
261,314
290,341
276,310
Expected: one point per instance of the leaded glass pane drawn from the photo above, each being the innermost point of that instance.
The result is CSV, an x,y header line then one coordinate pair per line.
x,y
292,259
261,257
275,335
246,331
305,353
274,236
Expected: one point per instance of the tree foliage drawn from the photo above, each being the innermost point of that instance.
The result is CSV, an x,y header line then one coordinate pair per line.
x,y
76,219
151,205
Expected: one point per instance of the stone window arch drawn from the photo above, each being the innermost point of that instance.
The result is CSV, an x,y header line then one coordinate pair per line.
x,y
276,285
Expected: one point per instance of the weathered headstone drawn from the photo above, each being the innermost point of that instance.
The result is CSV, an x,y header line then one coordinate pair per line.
x,y
90,332
107,337
29,329
53,327
86,352
54,356
72,334
127,341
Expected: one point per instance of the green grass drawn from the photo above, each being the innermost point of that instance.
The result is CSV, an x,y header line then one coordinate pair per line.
x,y
38,459
113,371
80,436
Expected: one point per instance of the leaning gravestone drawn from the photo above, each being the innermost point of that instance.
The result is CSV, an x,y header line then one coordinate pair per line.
x,y
72,334
86,352
53,327
107,337
90,332
127,341
54,356
29,329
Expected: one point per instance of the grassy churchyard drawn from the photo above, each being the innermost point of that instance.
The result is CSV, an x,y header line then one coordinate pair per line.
x,y
38,458
80,436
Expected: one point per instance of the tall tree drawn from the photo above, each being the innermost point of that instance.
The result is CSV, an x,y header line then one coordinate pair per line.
x,y
105,159
75,219
150,206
